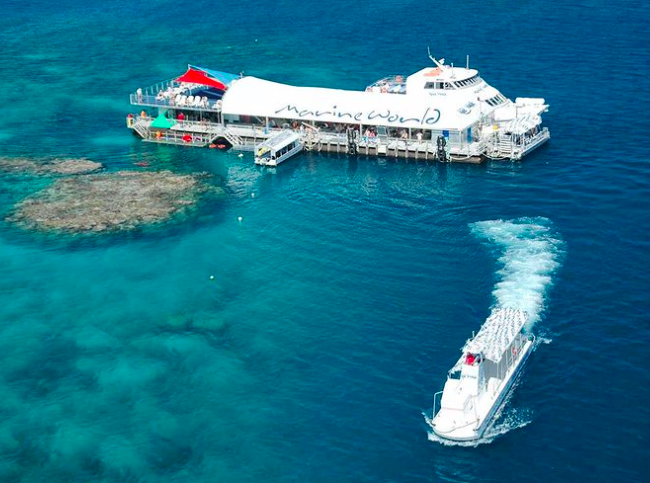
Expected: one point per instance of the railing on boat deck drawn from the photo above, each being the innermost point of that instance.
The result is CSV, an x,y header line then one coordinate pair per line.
x,y
170,86
241,134
179,137
177,134
516,351
460,151
538,138
198,126
393,84
155,101
503,147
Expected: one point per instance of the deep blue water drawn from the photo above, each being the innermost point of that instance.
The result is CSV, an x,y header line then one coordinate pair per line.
x,y
343,296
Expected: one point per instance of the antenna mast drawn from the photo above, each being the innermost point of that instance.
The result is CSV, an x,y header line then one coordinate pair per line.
x,y
438,63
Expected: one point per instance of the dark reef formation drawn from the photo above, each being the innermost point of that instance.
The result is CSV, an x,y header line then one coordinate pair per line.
x,y
108,202
65,166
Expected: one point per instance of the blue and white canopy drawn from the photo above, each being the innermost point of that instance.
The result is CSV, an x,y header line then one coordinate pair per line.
x,y
225,78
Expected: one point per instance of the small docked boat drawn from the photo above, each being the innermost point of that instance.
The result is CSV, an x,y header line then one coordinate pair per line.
x,y
478,384
278,148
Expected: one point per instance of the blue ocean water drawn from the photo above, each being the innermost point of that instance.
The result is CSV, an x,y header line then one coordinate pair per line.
x,y
344,294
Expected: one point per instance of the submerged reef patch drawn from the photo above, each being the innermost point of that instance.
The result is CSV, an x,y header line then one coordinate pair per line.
x,y
64,166
109,202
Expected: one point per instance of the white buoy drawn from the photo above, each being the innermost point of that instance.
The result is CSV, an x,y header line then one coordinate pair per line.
x,y
252,195
241,155
240,219
211,277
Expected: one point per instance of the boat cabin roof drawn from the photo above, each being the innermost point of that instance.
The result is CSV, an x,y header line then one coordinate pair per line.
x,y
497,333
446,72
280,140
251,96
444,77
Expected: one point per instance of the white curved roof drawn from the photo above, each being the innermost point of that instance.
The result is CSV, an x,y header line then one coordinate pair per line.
x,y
497,333
251,96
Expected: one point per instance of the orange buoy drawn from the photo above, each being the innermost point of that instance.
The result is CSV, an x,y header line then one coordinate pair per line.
x,y
221,146
212,146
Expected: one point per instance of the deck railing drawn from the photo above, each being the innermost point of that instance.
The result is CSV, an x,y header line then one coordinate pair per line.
x,y
197,126
259,133
155,101
179,137
393,84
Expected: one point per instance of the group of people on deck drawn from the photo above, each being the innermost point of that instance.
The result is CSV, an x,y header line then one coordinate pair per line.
x,y
370,135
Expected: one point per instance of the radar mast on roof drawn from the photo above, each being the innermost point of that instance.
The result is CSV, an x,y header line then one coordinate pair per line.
x,y
439,63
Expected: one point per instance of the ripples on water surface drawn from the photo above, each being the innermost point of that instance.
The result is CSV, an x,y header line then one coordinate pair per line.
x,y
342,298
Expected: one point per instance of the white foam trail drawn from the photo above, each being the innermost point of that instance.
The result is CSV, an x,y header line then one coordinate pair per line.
x,y
530,251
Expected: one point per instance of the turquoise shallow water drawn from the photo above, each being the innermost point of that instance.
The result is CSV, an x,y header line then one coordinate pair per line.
x,y
342,297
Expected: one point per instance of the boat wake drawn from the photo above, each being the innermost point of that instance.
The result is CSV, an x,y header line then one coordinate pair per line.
x,y
529,252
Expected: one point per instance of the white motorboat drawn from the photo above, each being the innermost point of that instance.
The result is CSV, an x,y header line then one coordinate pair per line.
x,y
478,384
277,149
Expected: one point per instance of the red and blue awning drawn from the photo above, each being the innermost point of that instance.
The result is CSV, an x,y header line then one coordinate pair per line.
x,y
197,77
224,77
207,77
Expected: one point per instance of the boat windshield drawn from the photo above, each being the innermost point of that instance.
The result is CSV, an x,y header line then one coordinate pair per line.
x,y
454,374
264,152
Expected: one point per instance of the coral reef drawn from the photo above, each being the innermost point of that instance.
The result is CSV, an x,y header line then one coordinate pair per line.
x,y
66,166
108,202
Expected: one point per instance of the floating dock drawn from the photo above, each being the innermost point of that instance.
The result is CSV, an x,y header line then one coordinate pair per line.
x,y
442,113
